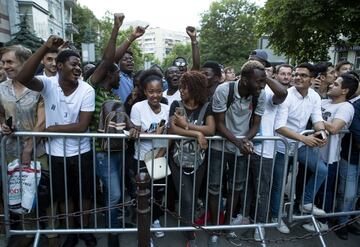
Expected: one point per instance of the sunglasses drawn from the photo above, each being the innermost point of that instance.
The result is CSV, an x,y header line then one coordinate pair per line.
x,y
180,63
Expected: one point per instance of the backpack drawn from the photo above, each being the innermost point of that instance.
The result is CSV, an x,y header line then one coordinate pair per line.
x,y
231,100
113,119
187,153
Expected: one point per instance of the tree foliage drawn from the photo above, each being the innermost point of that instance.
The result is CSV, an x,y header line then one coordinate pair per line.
x,y
25,37
179,50
87,24
227,32
304,30
106,26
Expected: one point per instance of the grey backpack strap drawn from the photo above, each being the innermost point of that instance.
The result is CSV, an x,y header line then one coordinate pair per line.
x,y
202,113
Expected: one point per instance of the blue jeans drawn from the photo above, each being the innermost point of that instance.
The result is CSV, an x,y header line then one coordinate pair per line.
x,y
348,188
109,171
306,156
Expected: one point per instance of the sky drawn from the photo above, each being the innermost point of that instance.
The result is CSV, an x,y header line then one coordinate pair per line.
x,y
168,14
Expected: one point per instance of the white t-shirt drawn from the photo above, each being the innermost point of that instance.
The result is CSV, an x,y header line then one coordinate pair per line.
x,y
330,153
61,110
172,98
142,115
267,126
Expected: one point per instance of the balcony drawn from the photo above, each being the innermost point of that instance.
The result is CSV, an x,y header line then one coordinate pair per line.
x,y
71,28
70,3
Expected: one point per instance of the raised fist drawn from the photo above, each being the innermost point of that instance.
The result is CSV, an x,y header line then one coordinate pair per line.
x,y
54,42
118,19
139,31
191,31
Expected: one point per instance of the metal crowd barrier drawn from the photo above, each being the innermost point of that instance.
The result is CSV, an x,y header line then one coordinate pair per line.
x,y
299,178
33,223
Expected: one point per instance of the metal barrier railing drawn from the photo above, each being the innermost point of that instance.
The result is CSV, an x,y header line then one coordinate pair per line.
x,y
326,198
187,223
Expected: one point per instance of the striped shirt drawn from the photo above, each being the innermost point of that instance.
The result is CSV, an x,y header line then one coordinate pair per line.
x,y
101,95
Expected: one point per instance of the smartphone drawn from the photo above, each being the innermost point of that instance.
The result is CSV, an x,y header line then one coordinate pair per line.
x,y
320,136
180,111
162,122
9,123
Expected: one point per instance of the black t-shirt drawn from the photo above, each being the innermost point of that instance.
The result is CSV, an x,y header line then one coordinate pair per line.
x,y
192,115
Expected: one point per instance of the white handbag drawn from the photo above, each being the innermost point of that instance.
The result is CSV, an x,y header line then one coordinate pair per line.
x,y
156,167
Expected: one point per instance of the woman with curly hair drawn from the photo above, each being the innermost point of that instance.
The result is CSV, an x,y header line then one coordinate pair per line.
x,y
192,117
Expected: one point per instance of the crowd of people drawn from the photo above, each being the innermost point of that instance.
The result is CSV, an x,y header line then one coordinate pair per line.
x,y
262,100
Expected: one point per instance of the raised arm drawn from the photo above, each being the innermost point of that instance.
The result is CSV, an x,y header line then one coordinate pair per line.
x,y
109,52
26,76
191,31
278,89
137,33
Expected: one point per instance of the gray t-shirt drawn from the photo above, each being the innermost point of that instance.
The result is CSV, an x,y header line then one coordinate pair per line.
x,y
237,117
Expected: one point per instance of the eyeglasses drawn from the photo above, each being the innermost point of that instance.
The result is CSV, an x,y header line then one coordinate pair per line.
x,y
180,63
304,76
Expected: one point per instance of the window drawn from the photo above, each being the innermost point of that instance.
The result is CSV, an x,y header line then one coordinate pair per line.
x,y
357,60
342,56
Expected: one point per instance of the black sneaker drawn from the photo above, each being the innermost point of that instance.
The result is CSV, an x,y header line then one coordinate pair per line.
x,y
89,239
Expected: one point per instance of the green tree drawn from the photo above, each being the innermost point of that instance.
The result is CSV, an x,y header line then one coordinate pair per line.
x,y
87,24
226,34
304,30
106,25
179,50
25,37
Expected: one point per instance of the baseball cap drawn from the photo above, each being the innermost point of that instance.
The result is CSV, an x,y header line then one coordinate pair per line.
x,y
261,56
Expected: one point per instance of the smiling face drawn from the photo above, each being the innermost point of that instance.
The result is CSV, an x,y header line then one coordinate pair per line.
x,y
11,64
49,62
70,70
302,79
257,82
153,92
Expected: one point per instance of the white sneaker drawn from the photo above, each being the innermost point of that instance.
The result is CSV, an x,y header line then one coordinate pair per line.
x,y
257,235
158,234
311,228
283,227
310,208
213,241
239,220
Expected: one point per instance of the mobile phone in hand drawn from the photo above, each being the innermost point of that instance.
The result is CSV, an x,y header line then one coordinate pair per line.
x,y
320,136
162,122
9,123
180,111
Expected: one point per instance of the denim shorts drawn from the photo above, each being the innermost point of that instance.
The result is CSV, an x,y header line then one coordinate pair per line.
x,y
234,166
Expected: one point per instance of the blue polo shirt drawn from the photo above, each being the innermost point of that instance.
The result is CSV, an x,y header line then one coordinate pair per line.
x,y
126,86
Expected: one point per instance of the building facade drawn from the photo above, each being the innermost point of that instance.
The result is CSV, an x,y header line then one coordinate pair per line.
x,y
349,53
159,42
45,17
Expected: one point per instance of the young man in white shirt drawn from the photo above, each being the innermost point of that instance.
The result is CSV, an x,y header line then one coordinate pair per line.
x,y
291,119
69,104
337,114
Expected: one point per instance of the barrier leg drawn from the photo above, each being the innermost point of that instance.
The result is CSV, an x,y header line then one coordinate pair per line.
x,y
262,237
36,239
318,231
143,209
